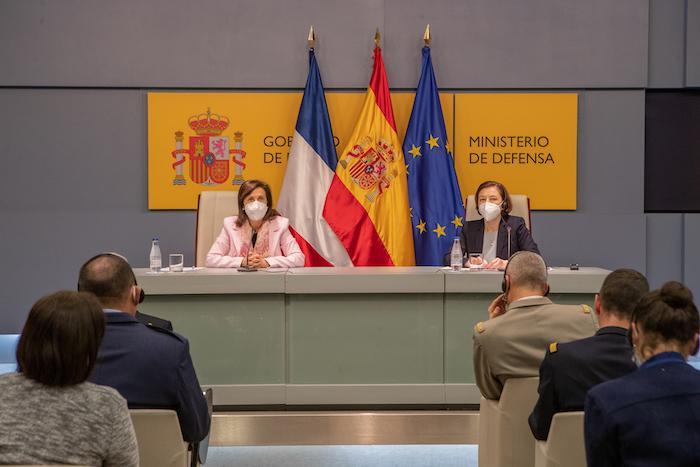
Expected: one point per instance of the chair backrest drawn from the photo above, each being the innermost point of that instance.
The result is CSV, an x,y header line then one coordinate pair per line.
x,y
159,438
212,208
8,347
565,445
505,439
521,208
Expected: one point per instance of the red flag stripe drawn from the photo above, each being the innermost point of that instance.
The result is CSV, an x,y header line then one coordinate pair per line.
x,y
354,227
311,256
379,86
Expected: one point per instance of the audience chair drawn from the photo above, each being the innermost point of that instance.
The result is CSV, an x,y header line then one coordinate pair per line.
x,y
159,438
212,207
521,208
8,348
564,446
505,439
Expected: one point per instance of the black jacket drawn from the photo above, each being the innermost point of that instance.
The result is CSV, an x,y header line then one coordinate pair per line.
x,y
472,238
569,370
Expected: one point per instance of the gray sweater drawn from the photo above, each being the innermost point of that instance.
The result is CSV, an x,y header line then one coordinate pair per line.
x,y
85,424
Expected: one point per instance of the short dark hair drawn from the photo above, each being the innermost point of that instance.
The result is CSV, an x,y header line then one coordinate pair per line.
x,y
507,205
108,276
60,339
668,314
622,290
246,189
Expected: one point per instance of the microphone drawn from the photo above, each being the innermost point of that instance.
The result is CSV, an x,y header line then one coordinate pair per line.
x,y
254,238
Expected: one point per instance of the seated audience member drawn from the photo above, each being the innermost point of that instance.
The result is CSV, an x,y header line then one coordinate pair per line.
x,y
149,365
651,417
49,414
522,322
491,235
569,370
258,237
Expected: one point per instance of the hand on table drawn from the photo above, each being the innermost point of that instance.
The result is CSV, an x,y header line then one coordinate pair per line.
x,y
497,263
256,261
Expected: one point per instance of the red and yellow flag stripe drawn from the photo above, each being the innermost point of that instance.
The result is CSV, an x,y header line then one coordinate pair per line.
x,y
367,204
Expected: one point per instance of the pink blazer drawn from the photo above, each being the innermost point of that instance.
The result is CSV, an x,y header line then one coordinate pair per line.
x,y
284,249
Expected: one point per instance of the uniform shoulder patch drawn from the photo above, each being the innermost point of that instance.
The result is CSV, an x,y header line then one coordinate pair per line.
x,y
162,330
586,308
480,327
553,347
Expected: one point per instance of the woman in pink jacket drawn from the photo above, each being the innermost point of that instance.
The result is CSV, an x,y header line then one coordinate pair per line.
x,y
258,237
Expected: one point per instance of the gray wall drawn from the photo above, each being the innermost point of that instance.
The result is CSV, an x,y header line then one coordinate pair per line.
x,y
75,73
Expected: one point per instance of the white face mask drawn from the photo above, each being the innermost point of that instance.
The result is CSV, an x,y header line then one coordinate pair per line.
x,y
255,210
490,211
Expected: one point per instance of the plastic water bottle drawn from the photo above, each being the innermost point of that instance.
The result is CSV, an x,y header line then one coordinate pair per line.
x,y
156,258
456,255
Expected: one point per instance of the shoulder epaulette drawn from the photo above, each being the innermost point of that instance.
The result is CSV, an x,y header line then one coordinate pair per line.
x,y
553,347
164,331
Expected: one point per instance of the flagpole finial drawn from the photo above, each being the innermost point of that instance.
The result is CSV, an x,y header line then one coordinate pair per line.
x,y
426,36
377,38
312,38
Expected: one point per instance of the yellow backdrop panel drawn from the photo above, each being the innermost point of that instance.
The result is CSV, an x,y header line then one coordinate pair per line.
x,y
244,136
526,141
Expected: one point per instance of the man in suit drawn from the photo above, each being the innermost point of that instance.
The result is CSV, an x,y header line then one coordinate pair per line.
x,y
522,322
569,370
149,365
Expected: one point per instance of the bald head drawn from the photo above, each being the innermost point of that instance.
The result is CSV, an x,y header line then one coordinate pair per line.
x,y
527,270
109,277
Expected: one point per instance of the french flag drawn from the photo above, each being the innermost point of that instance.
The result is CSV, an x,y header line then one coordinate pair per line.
x,y
310,171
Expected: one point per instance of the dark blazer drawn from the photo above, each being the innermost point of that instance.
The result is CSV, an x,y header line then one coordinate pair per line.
x,y
151,367
569,370
154,321
647,418
472,238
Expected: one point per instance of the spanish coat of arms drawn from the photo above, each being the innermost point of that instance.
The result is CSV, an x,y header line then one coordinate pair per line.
x,y
208,152
368,166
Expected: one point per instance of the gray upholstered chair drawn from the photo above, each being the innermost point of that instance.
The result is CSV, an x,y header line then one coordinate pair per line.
x,y
159,438
212,208
565,445
505,439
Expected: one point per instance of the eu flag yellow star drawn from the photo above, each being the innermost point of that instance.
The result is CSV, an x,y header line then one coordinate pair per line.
x,y
457,222
433,141
440,230
421,226
447,147
415,151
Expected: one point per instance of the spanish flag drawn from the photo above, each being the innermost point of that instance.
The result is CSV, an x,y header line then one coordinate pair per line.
x,y
367,203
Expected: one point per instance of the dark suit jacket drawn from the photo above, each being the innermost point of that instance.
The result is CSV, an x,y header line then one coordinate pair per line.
x,y
151,367
648,418
573,368
472,238
154,321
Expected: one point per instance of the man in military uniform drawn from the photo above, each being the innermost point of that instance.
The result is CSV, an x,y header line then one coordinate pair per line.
x,y
569,370
150,366
522,322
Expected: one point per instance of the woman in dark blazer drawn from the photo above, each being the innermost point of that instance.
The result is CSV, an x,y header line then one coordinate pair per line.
x,y
498,234
650,417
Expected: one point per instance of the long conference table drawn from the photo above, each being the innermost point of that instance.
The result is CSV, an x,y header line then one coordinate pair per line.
x,y
338,336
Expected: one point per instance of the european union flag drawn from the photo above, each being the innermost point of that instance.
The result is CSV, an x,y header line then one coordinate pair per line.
x,y
433,190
